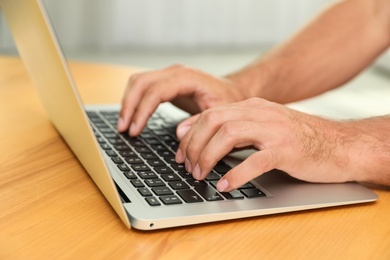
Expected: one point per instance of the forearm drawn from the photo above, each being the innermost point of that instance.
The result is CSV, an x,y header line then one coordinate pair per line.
x,y
331,50
367,146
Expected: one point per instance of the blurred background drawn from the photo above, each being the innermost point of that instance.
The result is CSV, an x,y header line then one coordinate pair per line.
x,y
214,35
226,34
217,36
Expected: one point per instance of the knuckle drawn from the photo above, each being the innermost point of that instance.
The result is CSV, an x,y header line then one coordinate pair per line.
x,y
137,81
152,92
228,130
182,70
210,117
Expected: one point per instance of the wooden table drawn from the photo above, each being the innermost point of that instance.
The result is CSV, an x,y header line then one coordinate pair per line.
x,y
51,209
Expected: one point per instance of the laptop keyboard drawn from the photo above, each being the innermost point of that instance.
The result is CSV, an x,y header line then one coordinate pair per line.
x,y
148,162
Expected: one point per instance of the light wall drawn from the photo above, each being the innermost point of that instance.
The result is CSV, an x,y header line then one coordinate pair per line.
x,y
175,24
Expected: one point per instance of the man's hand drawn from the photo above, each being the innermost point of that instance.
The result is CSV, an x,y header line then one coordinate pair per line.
x,y
191,90
307,147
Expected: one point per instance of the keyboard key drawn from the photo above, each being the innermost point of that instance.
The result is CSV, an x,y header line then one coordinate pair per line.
x,y
122,147
213,176
100,140
149,156
101,125
130,175
117,160
134,160
159,147
92,114
166,137
152,201
170,177
222,168
128,153
113,122
155,182
163,169
115,141
174,145
247,185
136,142
170,159
253,193
105,146
165,153
147,175
233,195
123,167
156,162
146,135
162,191
110,135
208,193
161,133
152,141
189,196
144,192
194,182
177,166
184,174
170,200
140,167
137,183
143,149
111,153
106,130
179,185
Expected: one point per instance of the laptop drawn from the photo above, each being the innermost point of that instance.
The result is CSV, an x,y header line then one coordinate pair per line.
x,y
138,176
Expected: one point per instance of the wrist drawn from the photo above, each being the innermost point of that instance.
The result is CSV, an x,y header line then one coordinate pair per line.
x,y
253,81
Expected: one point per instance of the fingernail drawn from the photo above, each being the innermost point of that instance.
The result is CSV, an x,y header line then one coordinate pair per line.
x,y
188,165
179,156
222,185
182,130
196,172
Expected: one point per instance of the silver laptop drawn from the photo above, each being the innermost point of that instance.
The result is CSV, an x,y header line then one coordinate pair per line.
x,y
139,176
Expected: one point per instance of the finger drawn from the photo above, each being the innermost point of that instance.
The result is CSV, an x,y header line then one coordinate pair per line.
x,y
236,134
181,131
254,166
206,127
165,89
138,84
134,91
185,125
147,105
152,89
